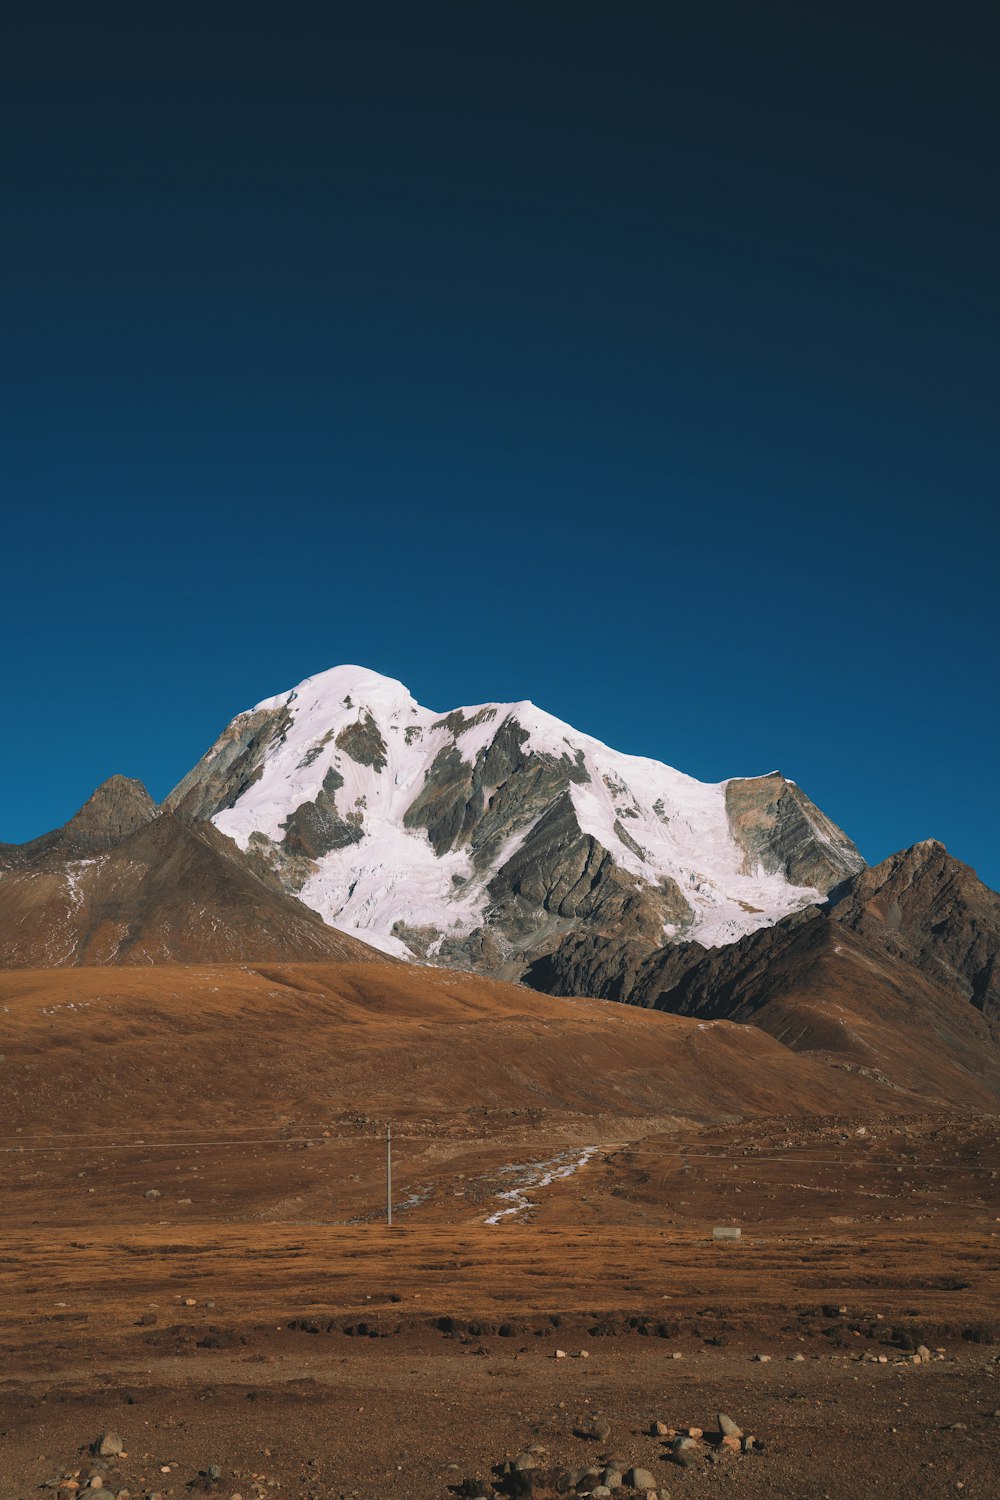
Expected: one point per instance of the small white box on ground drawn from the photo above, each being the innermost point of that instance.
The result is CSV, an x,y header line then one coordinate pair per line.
x,y
726,1232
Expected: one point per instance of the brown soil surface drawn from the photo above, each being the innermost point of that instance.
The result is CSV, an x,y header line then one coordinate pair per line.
x,y
258,1316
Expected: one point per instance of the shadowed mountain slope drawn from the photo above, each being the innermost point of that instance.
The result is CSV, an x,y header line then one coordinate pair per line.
x,y
926,907
879,979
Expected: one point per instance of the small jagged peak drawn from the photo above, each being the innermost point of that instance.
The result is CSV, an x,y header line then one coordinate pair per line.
x,y
115,809
920,853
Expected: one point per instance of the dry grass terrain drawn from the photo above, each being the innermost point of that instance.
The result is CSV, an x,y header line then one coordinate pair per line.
x,y
256,1314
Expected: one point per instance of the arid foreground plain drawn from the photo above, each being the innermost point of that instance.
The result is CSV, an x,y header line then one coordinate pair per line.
x,y
195,1259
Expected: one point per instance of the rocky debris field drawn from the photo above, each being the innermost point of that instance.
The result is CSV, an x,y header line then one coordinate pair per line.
x,y
416,1419
532,1473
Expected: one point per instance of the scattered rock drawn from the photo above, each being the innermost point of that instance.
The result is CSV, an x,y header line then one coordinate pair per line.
x,y
597,1431
108,1445
151,1193
762,1359
727,1426
640,1479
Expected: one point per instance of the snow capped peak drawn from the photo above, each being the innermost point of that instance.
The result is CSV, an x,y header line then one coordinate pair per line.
x,y
333,686
444,834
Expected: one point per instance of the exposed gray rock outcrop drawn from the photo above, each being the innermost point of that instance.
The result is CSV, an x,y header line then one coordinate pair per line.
x,y
780,829
232,765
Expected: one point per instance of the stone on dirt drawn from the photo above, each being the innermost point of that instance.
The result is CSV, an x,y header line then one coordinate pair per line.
x,y
598,1430
727,1426
108,1445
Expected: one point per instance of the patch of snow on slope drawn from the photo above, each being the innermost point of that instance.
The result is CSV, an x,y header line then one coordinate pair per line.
x,y
679,825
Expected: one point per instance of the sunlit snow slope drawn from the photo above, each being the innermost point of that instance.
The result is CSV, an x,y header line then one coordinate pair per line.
x,y
480,835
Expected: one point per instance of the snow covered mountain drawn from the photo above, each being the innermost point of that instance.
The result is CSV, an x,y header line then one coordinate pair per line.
x,y
482,836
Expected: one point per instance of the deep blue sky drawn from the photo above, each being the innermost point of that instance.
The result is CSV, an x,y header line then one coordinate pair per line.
x,y
638,359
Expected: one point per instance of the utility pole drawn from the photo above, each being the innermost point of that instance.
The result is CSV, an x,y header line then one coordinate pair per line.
x,y
388,1174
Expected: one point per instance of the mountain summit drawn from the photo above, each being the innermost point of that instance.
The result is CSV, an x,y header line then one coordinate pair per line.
x,y
482,836
118,808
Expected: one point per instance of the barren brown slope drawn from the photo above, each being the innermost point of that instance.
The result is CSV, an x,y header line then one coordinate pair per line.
x,y
216,1045
821,989
169,891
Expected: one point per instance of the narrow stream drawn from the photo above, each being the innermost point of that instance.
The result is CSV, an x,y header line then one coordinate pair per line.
x,y
535,1175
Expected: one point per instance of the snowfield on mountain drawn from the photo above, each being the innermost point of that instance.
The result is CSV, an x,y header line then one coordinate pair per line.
x,y
481,836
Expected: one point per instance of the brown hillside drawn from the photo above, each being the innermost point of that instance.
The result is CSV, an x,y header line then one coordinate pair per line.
x,y
169,892
215,1045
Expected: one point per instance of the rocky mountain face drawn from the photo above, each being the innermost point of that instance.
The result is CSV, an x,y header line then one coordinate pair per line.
x,y
122,884
888,976
485,837
119,807
930,909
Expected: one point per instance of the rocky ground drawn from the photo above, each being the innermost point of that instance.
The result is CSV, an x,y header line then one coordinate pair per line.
x,y
573,1347
428,1415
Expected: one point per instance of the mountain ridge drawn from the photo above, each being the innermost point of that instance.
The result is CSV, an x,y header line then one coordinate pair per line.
x,y
123,883
478,836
